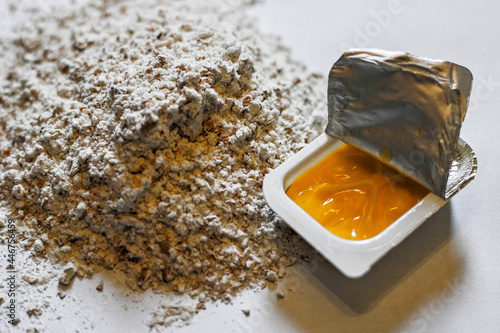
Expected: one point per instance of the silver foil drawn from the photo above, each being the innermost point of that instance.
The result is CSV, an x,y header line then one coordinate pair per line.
x,y
405,110
463,169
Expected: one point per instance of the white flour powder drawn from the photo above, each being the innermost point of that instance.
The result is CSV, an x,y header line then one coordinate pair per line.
x,y
135,135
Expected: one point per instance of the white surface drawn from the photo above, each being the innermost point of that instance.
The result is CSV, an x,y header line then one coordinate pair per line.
x,y
443,278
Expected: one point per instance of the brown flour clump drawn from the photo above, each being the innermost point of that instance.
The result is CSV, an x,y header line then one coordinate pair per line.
x,y
136,134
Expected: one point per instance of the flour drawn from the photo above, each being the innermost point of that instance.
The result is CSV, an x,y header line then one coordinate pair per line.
x,y
135,137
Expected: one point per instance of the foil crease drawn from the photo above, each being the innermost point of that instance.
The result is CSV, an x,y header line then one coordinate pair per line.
x,y
405,110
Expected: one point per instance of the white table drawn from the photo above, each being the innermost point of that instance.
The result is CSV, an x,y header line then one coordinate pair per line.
x,y
444,278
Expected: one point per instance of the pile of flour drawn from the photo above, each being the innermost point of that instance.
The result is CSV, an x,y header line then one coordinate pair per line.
x,y
135,135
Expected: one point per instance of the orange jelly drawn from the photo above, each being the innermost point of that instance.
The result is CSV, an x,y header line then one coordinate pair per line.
x,y
354,195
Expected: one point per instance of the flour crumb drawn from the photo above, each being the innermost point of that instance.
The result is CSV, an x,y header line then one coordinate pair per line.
x,y
100,287
68,274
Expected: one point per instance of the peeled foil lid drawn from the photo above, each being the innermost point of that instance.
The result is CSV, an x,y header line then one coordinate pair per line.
x,y
407,111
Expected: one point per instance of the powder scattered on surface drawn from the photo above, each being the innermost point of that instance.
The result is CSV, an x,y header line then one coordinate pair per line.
x,y
135,135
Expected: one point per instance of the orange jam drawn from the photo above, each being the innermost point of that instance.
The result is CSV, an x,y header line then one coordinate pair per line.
x,y
353,195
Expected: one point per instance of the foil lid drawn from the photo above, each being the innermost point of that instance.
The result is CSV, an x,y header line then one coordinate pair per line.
x,y
406,111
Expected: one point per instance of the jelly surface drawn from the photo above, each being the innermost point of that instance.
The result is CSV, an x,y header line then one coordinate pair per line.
x,y
354,195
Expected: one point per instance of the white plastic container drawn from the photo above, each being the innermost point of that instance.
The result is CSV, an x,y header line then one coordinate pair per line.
x,y
353,258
